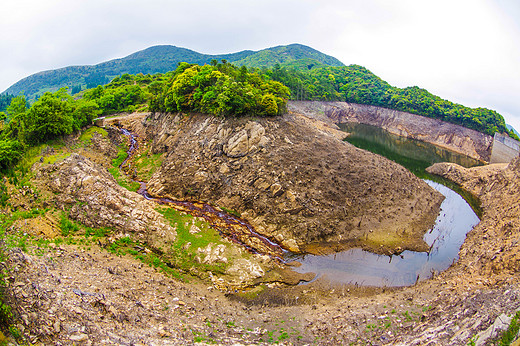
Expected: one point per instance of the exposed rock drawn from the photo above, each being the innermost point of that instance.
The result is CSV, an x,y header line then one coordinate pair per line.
x,y
492,247
292,176
96,200
212,254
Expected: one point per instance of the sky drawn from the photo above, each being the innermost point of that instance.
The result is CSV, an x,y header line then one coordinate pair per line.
x,y
466,51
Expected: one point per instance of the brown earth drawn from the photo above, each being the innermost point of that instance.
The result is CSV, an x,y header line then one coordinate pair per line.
x,y
293,179
67,294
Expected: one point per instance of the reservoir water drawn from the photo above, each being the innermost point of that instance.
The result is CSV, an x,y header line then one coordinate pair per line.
x,y
455,220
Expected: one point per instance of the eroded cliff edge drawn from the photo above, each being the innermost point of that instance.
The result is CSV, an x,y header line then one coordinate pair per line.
x,y
293,178
446,135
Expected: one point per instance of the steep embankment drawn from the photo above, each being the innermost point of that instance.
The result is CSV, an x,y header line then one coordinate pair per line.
x,y
450,136
293,179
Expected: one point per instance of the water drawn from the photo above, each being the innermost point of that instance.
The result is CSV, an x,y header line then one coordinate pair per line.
x,y
361,267
456,219
415,155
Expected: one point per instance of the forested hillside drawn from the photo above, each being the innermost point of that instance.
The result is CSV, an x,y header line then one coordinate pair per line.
x,y
5,101
157,59
220,88
356,84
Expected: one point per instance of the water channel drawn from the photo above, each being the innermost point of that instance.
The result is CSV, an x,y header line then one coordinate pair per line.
x,y
456,219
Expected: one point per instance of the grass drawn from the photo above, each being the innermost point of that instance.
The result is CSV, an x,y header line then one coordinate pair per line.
x,y
146,164
185,258
121,178
86,136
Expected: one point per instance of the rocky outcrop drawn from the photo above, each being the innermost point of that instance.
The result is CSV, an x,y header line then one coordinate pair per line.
x,y
295,181
450,136
96,200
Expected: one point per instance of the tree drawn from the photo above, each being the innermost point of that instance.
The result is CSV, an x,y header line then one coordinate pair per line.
x,y
10,152
17,107
50,116
269,106
84,112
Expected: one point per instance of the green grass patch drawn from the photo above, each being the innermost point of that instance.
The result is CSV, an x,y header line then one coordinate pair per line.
x,y
184,257
146,164
121,156
231,211
510,334
121,178
86,136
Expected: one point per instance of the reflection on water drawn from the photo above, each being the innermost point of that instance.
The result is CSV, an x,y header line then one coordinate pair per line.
x,y
413,154
357,266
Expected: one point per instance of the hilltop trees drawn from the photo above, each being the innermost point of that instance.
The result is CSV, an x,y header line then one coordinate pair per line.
x,y
220,89
356,84
5,101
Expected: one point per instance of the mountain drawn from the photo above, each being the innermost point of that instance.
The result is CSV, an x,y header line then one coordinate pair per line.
x,y
511,128
160,59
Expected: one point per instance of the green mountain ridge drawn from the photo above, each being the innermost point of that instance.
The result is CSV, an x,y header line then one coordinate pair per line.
x,y
159,59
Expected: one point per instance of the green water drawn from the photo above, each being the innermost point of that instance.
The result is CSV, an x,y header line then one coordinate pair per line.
x,y
414,155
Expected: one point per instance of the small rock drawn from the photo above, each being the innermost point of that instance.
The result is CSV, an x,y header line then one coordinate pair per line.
x,y
224,169
164,334
57,326
276,190
77,310
194,229
79,337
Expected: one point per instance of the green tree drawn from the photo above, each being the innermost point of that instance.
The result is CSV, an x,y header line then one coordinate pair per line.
x,y
269,105
10,152
50,116
17,107
84,112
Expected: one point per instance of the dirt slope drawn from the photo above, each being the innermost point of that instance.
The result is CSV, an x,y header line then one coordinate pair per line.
x,y
293,179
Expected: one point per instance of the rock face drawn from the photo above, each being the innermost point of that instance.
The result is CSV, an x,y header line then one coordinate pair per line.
x,y
296,182
450,136
96,200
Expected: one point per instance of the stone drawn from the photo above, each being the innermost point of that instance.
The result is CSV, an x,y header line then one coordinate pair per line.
x,y
276,190
79,337
194,229
224,169
501,323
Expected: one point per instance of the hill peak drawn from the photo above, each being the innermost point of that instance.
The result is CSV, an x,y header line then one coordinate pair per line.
x,y
160,59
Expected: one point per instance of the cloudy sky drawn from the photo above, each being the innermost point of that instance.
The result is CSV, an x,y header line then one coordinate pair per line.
x,y
466,51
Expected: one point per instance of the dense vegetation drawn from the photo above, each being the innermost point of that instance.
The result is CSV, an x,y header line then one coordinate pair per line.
x,y
53,115
220,89
358,85
5,101
157,59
